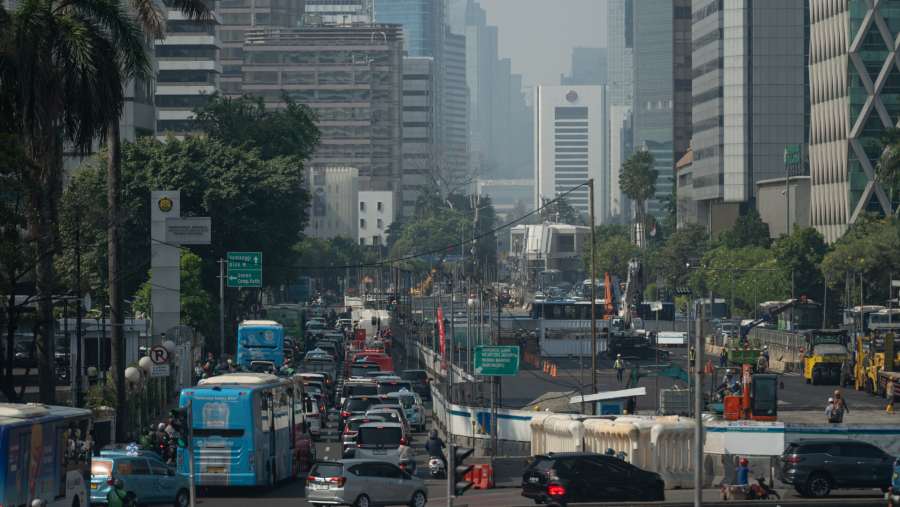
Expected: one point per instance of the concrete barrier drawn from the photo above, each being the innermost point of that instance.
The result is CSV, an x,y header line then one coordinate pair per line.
x,y
552,432
673,447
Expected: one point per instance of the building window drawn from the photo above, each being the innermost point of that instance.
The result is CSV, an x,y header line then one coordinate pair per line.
x,y
376,240
362,223
362,241
380,224
362,206
380,206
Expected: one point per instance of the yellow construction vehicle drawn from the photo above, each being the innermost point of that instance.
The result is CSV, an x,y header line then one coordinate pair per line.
x,y
825,353
871,351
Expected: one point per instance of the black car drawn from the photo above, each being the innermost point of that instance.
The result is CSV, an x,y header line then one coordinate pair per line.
x,y
816,466
420,382
568,477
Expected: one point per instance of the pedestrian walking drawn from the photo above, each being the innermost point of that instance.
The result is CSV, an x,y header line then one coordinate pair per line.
x,y
838,408
619,365
723,358
889,394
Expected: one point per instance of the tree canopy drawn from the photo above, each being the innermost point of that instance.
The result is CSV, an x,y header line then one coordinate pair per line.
x,y
748,230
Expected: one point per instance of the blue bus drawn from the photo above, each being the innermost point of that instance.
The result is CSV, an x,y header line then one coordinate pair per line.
x,y
45,453
247,429
260,341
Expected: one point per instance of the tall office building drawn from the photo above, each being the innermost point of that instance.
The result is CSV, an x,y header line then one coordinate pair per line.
x,y
852,68
338,12
239,16
571,146
188,71
419,168
620,41
589,67
422,20
661,38
351,76
455,110
620,139
748,93
334,202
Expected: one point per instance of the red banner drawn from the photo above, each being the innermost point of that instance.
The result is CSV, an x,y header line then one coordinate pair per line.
x,y
442,336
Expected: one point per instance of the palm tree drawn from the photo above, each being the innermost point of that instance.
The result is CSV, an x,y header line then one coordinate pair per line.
x,y
637,180
63,64
152,21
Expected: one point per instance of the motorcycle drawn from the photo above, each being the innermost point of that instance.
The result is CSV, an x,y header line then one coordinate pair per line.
x,y
436,468
758,491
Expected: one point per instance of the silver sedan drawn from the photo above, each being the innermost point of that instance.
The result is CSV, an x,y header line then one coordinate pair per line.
x,y
363,483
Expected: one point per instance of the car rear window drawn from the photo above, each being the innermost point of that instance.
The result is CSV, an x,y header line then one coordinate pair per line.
x,y
360,404
379,437
418,376
362,390
327,470
100,468
542,465
808,448
393,387
359,370
389,416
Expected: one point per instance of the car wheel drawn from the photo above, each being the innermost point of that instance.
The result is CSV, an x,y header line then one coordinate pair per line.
x,y
418,499
818,486
362,501
183,498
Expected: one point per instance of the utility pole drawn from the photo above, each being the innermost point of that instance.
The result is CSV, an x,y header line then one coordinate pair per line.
x,y
698,408
593,292
79,347
221,306
451,477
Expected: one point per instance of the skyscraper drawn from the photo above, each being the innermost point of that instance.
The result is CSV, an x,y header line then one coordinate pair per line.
x,y
570,146
589,67
239,16
351,76
422,20
852,68
338,12
455,109
748,91
188,71
419,169
620,41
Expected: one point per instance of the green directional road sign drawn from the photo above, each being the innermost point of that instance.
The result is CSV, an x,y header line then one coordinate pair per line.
x,y
244,269
497,360
792,154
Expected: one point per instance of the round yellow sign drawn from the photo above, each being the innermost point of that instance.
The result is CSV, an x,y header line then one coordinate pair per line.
x,y
165,204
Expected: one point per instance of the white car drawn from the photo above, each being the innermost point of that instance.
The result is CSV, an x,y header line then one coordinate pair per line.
x,y
412,407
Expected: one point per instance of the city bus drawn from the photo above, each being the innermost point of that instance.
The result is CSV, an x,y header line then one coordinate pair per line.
x,y
247,429
46,455
260,341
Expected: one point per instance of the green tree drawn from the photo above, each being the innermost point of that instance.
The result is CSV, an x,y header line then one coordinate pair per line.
x,y
748,230
612,256
560,211
866,255
800,255
66,62
888,167
637,179
196,304
685,246
245,122
745,276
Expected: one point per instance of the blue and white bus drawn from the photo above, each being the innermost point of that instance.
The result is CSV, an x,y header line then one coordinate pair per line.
x,y
45,453
260,341
247,429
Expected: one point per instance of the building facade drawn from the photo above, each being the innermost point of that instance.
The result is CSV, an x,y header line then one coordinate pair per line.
x,y
571,146
620,139
589,67
334,197
455,111
422,20
351,76
419,141
188,71
620,42
749,86
852,63
239,16
338,12
376,213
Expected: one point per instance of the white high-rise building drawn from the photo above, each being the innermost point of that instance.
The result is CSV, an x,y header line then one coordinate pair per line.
x,y
571,146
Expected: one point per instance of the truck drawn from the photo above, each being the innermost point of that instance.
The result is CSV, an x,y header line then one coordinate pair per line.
x,y
871,350
825,353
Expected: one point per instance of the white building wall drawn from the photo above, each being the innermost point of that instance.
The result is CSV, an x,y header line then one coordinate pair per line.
x,y
334,197
571,147
376,213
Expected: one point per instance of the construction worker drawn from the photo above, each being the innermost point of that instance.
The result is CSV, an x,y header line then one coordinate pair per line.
x,y
723,358
619,365
762,363
839,408
889,394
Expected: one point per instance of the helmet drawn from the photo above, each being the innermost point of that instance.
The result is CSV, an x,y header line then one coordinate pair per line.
x,y
744,461
161,427
433,434
610,452
830,400
765,347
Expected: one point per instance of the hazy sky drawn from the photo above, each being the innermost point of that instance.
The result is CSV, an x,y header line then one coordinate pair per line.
x,y
538,35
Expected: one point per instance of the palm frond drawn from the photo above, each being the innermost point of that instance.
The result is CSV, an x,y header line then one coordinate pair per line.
x,y
196,10
126,35
150,17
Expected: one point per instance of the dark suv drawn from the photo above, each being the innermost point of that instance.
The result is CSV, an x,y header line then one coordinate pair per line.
x,y
816,466
567,477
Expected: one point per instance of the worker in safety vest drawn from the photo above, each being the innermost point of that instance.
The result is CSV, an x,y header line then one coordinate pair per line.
x,y
619,365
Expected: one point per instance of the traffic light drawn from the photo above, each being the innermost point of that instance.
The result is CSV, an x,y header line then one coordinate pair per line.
x,y
181,424
460,469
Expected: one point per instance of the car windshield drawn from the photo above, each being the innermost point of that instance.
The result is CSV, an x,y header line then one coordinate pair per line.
x,y
100,468
379,436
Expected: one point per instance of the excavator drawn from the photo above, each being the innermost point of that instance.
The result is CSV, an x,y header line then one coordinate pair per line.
x,y
739,349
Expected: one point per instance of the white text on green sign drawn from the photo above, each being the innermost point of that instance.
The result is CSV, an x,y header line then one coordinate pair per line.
x,y
497,360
